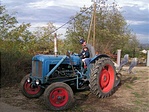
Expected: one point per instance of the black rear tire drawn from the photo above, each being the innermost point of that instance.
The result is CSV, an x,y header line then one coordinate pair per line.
x,y
102,79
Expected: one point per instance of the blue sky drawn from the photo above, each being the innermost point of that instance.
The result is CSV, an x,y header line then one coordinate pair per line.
x,y
40,12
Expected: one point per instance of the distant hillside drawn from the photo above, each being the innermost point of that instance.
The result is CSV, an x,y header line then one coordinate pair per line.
x,y
144,46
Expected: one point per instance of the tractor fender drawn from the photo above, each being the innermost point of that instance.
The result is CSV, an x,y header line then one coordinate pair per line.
x,y
98,56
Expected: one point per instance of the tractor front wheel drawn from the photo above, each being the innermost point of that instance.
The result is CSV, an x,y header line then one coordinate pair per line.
x,y
58,96
29,90
103,76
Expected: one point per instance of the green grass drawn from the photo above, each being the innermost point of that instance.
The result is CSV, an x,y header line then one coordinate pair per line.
x,y
128,86
137,95
137,102
135,109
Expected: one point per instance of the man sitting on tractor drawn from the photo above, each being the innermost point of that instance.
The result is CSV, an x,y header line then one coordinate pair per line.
x,y
90,48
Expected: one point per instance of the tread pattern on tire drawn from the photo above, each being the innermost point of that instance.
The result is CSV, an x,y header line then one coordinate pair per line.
x,y
95,71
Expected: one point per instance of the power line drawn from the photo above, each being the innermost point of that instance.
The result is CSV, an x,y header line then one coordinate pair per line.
x,y
71,19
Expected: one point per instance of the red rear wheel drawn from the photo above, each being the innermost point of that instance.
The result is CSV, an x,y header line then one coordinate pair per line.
x,y
102,79
106,79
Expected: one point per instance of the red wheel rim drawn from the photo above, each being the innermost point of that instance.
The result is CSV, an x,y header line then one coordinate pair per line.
x,y
31,90
106,79
58,97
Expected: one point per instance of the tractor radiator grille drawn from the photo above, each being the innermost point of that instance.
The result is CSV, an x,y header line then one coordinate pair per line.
x,y
37,68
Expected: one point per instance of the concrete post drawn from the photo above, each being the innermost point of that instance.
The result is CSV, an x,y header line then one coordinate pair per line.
x,y
118,57
147,61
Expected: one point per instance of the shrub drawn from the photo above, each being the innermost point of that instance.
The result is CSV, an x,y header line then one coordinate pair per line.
x,y
14,65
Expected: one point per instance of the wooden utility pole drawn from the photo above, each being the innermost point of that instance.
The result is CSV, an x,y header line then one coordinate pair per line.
x,y
94,29
90,28
93,24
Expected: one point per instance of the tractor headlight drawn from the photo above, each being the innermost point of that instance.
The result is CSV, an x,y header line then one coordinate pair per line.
x,y
29,80
37,82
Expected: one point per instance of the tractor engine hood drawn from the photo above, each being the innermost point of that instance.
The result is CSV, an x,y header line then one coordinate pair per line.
x,y
55,59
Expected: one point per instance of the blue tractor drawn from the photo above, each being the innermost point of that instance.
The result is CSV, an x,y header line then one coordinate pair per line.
x,y
57,77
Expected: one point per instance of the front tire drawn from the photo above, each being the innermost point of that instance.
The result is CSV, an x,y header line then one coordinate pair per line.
x,y
29,91
58,96
102,79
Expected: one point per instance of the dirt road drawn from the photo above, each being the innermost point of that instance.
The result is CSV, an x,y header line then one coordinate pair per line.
x,y
4,107
131,96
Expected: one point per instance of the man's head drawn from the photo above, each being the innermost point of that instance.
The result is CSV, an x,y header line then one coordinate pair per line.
x,y
83,42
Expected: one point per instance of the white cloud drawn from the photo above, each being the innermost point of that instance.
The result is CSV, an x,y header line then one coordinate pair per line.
x,y
143,38
41,4
36,25
141,3
26,18
133,22
65,3
78,3
7,1
39,24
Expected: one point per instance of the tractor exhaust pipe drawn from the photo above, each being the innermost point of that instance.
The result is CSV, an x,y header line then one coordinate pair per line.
x,y
55,44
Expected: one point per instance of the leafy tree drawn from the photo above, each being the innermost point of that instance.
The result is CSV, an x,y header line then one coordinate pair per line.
x,y
112,31
14,44
13,36
132,47
44,38
7,23
77,29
